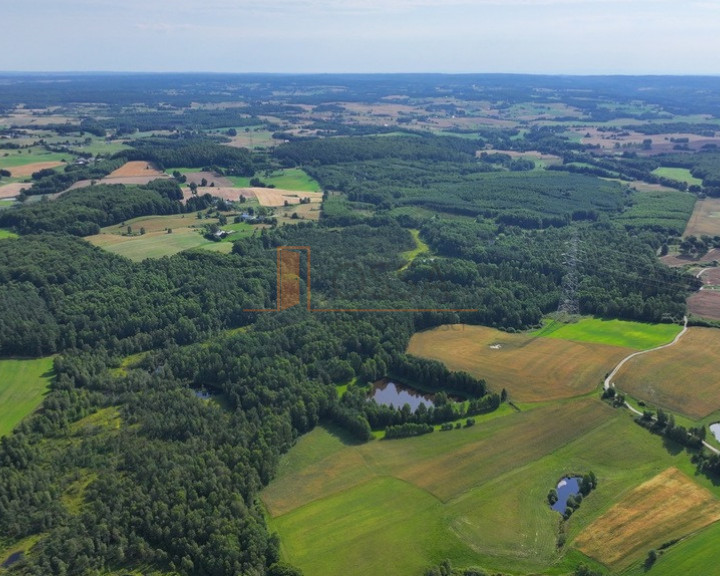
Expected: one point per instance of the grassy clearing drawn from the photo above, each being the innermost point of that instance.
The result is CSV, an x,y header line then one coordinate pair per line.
x,y
288,179
668,506
420,248
636,335
679,174
151,245
156,242
7,234
23,384
532,369
681,378
476,496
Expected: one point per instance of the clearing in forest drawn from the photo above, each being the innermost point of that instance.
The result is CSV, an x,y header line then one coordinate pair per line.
x,y
667,507
23,384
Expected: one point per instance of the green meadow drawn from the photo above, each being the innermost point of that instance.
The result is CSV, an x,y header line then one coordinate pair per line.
x,y
23,384
288,179
476,496
7,234
679,174
637,335
696,554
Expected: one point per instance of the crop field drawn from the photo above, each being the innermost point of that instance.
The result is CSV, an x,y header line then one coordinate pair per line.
x,y
531,369
274,197
26,170
210,177
637,335
694,555
13,189
705,218
676,259
458,494
22,386
679,174
682,378
705,304
668,506
670,209
136,168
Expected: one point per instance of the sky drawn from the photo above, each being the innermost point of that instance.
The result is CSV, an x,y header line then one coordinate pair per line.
x,y
316,36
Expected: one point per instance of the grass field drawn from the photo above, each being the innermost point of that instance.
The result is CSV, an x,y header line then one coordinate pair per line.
x,y
636,335
36,154
682,378
531,369
694,555
288,179
475,496
679,174
7,234
23,384
668,506
705,218
156,242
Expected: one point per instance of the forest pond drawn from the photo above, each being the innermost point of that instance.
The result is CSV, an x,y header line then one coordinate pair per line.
x,y
715,429
386,393
566,487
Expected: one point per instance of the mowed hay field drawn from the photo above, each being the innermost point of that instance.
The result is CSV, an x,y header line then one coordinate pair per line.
x,y
22,386
277,197
684,378
156,242
705,218
668,506
530,369
476,496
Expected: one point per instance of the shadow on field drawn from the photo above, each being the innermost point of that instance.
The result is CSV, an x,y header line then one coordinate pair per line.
x,y
340,433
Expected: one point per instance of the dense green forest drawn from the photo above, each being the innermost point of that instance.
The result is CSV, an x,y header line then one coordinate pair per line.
x,y
172,401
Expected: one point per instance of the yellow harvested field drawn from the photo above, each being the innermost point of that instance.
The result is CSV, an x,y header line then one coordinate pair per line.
x,y
27,169
530,369
278,197
12,190
705,218
136,169
683,378
666,507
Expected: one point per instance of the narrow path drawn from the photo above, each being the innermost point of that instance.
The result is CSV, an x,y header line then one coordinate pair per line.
x,y
608,381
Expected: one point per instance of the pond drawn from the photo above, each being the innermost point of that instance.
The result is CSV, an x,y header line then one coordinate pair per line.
x,y
389,393
12,559
566,487
715,429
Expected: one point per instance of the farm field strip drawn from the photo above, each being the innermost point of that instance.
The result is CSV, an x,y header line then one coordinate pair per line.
x,y
668,506
23,384
625,333
705,218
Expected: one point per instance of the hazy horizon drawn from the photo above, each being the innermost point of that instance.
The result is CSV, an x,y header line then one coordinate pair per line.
x,y
545,37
